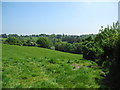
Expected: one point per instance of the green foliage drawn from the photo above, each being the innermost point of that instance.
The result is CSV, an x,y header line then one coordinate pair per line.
x,y
107,41
99,47
3,36
66,43
43,42
63,46
29,42
104,49
114,70
13,41
77,48
13,35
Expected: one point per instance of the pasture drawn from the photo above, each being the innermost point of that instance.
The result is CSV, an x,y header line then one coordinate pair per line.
x,y
34,67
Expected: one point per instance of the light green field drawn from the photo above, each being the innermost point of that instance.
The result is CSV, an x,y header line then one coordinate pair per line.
x,y
13,51
3,39
34,67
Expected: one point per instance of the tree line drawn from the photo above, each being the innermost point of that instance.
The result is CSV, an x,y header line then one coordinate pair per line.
x,y
65,43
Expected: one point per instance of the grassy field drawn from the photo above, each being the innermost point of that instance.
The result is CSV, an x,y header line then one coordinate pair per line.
x,y
34,67
14,51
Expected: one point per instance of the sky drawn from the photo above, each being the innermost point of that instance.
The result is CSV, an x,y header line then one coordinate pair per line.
x,y
73,18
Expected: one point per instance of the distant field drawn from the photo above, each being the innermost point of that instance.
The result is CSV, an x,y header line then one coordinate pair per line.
x,y
34,67
14,51
3,38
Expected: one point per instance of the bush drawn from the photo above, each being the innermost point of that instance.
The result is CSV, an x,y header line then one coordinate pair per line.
x,y
43,42
64,46
29,43
77,48
13,41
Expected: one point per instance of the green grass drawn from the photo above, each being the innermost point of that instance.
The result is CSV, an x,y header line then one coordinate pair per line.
x,y
33,67
3,38
13,51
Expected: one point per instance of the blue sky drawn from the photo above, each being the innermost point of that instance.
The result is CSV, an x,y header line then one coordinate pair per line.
x,y
57,17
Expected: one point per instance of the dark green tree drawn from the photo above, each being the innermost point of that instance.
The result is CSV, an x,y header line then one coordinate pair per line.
x,y
13,41
3,35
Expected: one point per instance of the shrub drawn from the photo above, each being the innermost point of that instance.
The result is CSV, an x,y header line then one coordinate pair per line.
x,y
43,42
13,41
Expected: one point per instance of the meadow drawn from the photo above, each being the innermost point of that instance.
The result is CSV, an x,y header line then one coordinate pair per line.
x,y
35,52
34,67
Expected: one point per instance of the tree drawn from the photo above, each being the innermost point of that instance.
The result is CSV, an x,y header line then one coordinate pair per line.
x,y
114,70
105,50
64,46
13,41
77,48
3,35
13,35
43,42
29,42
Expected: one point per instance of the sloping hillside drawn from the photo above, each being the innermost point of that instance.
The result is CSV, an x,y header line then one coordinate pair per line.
x,y
14,51
33,67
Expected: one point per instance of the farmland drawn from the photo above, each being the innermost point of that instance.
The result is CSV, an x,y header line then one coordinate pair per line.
x,y
24,51
34,67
